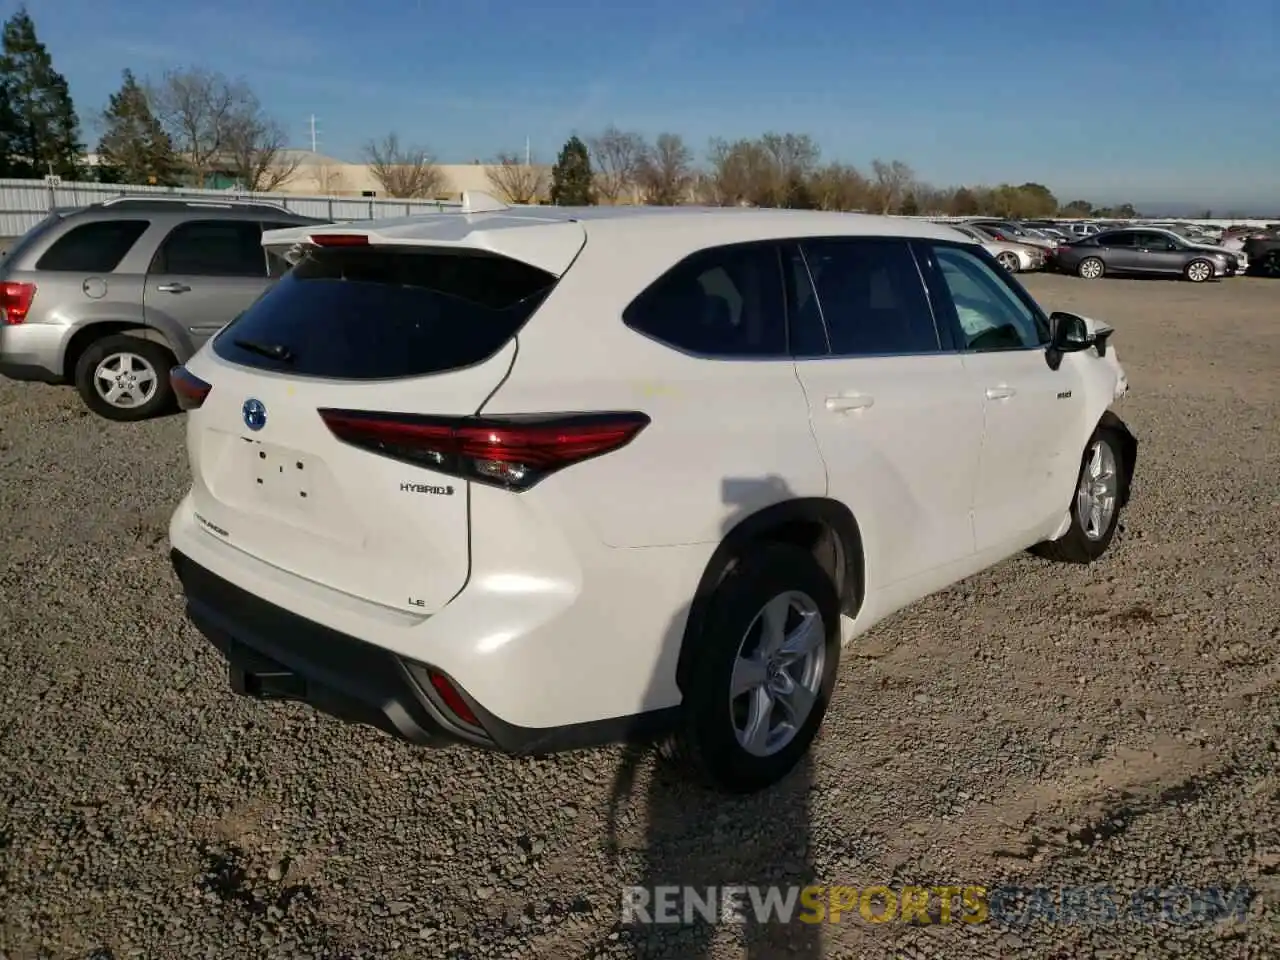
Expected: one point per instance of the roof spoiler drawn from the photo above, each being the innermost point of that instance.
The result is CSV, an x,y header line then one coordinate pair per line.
x,y
552,247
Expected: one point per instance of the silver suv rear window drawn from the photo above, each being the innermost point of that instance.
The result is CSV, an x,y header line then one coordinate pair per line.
x,y
94,247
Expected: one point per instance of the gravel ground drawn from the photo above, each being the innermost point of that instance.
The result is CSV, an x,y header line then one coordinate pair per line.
x,y
1036,725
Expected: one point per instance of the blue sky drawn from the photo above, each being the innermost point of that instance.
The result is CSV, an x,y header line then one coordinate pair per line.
x,y
1150,101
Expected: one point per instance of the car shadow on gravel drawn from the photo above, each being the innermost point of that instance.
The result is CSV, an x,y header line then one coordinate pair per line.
x,y
695,839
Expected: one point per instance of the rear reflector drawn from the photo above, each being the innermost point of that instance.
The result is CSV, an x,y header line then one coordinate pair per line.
x,y
452,699
340,240
189,389
15,302
511,452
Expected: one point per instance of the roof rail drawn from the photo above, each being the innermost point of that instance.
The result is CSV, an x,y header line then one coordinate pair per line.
x,y
227,203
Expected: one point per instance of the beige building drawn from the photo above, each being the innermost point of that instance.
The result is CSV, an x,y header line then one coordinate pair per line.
x,y
317,174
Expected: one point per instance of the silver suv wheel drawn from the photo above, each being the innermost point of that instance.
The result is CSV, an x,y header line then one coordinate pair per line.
x,y
125,380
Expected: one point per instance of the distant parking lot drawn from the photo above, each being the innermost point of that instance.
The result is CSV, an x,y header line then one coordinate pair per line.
x,y
1036,725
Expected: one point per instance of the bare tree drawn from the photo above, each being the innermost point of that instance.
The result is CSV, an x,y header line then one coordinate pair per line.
x,y
403,171
737,170
329,178
255,149
838,186
517,181
197,108
666,175
216,123
617,157
892,181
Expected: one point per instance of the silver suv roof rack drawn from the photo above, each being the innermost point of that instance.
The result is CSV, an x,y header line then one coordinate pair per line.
x,y
226,204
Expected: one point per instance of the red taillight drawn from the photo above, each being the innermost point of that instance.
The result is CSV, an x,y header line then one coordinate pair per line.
x,y
510,452
452,699
188,388
340,240
15,301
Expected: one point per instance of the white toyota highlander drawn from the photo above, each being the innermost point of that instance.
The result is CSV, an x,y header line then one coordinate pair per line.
x,y
539,478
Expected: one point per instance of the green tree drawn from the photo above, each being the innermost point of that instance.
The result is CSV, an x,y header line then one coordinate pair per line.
x,y
964,203
1036,200
45,134
910,207
8,131
134,147
1078,208
571,176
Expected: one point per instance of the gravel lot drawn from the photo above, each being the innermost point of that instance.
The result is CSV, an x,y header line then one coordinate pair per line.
x,y
1036,725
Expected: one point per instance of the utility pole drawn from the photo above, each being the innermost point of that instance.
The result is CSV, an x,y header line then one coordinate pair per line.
x,y
527,153
314,132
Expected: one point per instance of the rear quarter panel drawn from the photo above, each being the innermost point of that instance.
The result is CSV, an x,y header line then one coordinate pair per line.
x,y
727,438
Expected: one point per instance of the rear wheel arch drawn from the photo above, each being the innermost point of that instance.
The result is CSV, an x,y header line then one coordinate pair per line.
x,y
90,333
824,527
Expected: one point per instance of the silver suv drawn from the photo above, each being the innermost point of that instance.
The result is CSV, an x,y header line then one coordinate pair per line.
x,y
111,296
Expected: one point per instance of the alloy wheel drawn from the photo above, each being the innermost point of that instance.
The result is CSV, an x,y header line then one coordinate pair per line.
x,y
125,380
777,675
1097,494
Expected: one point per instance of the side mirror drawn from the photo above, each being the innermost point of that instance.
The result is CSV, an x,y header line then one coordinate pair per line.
x,y
1068,333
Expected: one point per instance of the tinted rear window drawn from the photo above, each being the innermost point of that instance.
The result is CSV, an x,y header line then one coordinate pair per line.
x,y
96,247
377,314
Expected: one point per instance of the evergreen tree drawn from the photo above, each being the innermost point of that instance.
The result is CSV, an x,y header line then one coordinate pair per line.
x,y
571,176
45,136
910,205
134,147
8,129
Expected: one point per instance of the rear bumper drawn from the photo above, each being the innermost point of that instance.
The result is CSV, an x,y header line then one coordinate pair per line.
x,y
27,372
272,653
32,352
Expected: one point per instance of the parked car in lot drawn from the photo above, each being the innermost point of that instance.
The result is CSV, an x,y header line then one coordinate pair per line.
x,y
110,296
1263,253
407,508
1014,257
1138,251
1079,230
1010,232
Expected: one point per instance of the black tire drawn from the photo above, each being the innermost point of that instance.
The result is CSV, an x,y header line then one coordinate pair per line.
x,y
160,359
1186,271
1102,268
1076,546
1268,266
704,746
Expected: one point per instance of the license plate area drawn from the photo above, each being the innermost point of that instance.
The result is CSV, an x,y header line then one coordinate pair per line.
x,y
278,475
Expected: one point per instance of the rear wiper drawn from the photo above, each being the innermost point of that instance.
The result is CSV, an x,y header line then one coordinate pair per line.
x,y
276,351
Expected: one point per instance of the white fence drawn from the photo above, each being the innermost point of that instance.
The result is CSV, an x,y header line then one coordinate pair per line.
x,y
24,203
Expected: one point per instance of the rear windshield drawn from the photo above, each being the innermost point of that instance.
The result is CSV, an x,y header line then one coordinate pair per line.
x,y
377,314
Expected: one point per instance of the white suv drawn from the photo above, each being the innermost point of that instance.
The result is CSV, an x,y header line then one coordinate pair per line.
x,y
544,478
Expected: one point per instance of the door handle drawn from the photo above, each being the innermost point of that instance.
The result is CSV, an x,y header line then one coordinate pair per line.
x,y
173,288
845,404
1000,393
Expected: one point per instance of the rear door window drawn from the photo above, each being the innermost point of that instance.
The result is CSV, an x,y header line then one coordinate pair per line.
x,y
376,313
96,247
212,248
872,297
722,302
